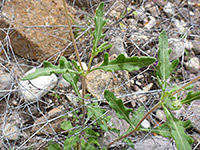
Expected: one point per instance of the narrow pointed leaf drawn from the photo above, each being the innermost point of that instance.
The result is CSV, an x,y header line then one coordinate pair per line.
x,y
117,104
177,130
164,65
49,68
124,63
99,23
191,96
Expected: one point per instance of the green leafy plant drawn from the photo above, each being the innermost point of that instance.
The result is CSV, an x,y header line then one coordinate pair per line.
x,y
83,135
173,127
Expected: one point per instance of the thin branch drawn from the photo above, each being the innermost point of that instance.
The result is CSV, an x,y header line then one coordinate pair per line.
x,y
71,34
128,134
184,86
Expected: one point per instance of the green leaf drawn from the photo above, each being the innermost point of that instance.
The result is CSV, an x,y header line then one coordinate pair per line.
x,y
63,67
163,130
86,146
171,102
191,96
117,104
164,66
76,66
53,146
92,136
66,125
124,63
103,47
137,116
91,133
177,130
72,79
70,142
129,142
99,23
96,111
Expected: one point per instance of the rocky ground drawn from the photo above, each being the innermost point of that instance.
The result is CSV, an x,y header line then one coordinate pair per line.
x,y
33,31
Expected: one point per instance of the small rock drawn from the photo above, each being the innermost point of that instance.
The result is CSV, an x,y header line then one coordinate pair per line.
x,y
117,46
147,87
188,45
146,124
154,143
114,13
169,9
139,37
193,115
196,84
180,25
117,9
132,23
193,65
62,83
73,99
177,47
3,107
11,131
160,114
133,103
51,126
109,136
5,82
143,98
155,11
151,23
84,66
1,143
97,81
141,16
44,83
196,47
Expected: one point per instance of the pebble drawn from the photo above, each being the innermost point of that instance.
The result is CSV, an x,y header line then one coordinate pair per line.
x,y
62,83
177,47
193,65
5,82
160,114
117,46
151,23
146,124
193,114
11,131
44,83
154,143
196,47
169,9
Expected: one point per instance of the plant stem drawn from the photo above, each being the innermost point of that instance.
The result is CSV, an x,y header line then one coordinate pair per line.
x,y
71,34
145,116
184,86
83,101
89,64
